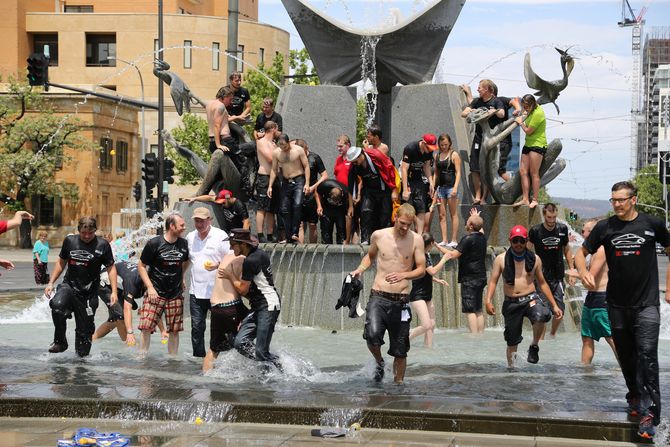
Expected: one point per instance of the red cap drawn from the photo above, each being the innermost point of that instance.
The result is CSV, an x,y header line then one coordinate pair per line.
x,y
430,140
518,231
223,195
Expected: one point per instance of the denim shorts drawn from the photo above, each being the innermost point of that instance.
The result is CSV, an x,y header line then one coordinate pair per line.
x,y
444,192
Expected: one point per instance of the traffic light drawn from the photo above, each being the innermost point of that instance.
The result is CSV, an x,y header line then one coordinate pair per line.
x,y
150,171
38,69
168,170
137,191
152,207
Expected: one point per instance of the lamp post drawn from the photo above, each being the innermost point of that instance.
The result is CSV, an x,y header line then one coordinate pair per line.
x,y
143,136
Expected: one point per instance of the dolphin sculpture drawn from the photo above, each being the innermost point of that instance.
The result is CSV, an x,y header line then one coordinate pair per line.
x,y
548,91
181,94
506,192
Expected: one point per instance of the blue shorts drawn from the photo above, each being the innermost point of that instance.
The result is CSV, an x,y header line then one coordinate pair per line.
x,y
444,192
595,323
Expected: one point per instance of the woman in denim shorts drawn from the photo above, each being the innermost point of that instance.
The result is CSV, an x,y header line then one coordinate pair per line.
x,y
447,177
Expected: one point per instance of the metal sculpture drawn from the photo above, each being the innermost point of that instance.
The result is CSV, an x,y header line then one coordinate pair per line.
x,y
181,94
548,91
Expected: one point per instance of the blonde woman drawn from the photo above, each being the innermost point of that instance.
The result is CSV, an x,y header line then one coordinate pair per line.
x,y
447,177
534,124
41,258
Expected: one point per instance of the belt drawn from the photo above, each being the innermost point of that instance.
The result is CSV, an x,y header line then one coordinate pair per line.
x,y
293,179
403,297
530,296
228,304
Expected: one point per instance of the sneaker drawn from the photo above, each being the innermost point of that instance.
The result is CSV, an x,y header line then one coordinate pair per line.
x,y
55,348
533,354
646,428
633,409
443,244
379,372
452,244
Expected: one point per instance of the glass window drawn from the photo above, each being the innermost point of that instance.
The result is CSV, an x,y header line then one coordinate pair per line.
x,y
188,53
121,156
240,61
99,48
78,8
47,44
47,210
106,145
216,55
261,56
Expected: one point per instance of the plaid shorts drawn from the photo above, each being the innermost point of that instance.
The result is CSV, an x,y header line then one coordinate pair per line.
x,y
152,309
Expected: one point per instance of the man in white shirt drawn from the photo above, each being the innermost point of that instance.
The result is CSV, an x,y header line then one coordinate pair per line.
x,y
206,247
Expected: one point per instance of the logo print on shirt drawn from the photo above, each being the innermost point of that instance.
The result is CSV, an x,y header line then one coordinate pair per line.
x,y
172,255
551,241
629,240
81,255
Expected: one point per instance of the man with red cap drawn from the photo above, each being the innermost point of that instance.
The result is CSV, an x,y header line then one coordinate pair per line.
x,y
417,177
234,211
521,269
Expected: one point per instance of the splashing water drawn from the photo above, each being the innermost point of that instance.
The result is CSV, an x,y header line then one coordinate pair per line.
x,y
38,312
369,76
129,247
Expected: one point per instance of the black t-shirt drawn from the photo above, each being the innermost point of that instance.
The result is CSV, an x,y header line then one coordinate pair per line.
x,y
506,102
84,262
423,286
258,270
472,262
235,215
261,119
446,171
167,265
630,250
549,247
494,103
413,156
240,97
324,193
316,167
371,180
130,276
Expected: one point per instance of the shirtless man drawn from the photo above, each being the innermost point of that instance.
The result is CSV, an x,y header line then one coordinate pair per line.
x,y
520,269
267,206
400,259
595,320
373,139
227,309
292,161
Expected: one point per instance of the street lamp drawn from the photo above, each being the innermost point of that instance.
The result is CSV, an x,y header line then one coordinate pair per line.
x,y
143,136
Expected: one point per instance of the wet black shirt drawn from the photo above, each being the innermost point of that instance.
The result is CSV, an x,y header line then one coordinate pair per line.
x,y
261,119
549,247
506,102
130,276
423,287
371,180
324,193
493,103
630,250
240,98
84,262
316,167
167,265
258,270
472,262
413,156
234,215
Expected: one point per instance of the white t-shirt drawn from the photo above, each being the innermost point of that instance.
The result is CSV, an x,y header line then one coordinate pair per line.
x,y
212,248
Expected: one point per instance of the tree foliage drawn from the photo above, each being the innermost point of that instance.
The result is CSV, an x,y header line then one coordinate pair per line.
x,y
302,68
649,191
256,81
194,134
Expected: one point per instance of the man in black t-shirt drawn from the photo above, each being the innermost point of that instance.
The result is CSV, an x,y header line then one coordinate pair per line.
x,y
333,205
83,256
417,178
630,238
240,108
550,241
486,100
257,284
317,174
235,213
471,255
167,255
268,114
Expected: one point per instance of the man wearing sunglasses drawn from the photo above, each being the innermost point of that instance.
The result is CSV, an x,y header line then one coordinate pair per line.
x,y
629,238
521,269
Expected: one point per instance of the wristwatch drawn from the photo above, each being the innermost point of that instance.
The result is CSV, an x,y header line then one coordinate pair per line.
x,y
129,331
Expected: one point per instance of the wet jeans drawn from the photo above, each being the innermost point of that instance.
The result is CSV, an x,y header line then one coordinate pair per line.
x,y
292,196
376,209
635,333
66,302
259,325
199,308
337,220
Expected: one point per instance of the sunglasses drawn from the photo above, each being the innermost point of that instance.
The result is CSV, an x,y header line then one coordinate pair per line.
x,y
518,240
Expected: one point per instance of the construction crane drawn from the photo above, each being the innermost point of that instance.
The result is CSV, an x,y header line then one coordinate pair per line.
x,y
628,18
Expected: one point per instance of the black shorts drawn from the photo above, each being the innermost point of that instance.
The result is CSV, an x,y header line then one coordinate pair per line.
x,y
426,298
536,149
474,156
505,148
265,203
418,196
383,314
115,311
556,286
225,320
514,309
309,210
471,295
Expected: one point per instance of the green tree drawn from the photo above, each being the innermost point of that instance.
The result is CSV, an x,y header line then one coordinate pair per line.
x,y
194,134
361,128
32,148
649,191
301,65
256,81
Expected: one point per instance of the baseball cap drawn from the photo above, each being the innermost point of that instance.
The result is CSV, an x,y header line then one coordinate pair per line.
x,y
223,195
201,213
518,231
430,140
352,153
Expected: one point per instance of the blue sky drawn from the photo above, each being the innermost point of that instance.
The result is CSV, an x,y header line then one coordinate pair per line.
x,y
490,39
